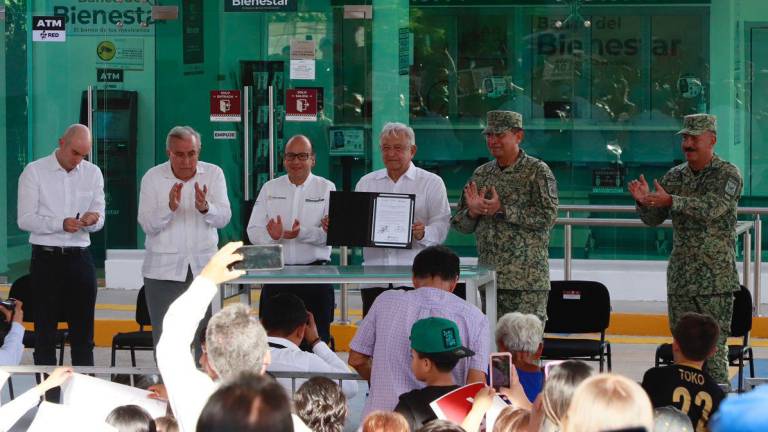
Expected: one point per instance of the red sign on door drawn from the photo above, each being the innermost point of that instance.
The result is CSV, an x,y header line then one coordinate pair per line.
x,y
225,105
301,104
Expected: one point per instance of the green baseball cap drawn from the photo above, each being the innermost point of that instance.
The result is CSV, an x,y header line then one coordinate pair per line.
x,y
697,124
438,336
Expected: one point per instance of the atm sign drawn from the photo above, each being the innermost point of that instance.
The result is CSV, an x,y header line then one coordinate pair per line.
x,y
109,75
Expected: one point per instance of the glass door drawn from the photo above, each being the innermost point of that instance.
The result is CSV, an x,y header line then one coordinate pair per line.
x,y
300,69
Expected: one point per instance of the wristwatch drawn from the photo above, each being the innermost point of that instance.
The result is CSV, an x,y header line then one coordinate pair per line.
x,y
500,215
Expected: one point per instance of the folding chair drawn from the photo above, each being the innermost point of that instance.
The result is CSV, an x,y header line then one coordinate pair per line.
x,y
21,289
578,307
139,340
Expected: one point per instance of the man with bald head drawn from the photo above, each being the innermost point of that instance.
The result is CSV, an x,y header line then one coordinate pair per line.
x,y
61,201
182,203
289,210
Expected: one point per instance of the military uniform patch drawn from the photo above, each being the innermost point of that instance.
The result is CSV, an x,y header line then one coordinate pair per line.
x,y
731,186
552,187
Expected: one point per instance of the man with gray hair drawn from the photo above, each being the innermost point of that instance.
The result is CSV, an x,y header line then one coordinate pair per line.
x,y
521,335
431,215
181,205
235,342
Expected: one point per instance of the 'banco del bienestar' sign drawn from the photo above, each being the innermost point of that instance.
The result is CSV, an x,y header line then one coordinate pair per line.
x,y
260,5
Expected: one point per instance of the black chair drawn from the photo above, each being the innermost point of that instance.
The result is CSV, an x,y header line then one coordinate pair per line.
x,y
741,325
139,340
579,307
21,289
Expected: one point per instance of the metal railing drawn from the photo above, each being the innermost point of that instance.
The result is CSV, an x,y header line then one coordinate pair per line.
x,y
133,371
743,228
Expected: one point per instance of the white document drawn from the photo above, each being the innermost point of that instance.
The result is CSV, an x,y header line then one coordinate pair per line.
x,y
302,69
101,396
62,418
392,220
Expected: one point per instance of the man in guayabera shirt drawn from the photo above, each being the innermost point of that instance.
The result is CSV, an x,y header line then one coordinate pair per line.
x,y
510,203
701,196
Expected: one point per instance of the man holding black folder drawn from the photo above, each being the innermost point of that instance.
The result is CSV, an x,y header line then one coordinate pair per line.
x,y
431,215
289,211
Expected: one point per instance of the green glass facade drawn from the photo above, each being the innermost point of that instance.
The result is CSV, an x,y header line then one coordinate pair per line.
x,y
602,86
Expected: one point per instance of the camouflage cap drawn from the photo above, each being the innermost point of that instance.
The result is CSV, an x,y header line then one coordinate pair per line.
x,y
502,121
697,124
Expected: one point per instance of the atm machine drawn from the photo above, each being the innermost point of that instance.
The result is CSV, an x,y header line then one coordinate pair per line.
x,y
115,128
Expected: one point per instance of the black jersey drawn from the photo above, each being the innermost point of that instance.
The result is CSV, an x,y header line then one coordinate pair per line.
x,y
689,389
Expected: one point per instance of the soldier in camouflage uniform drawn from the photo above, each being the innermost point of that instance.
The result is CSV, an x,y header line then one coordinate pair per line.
x,y
511,205
701,196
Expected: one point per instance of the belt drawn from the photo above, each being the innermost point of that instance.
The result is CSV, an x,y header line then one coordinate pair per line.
x,y
59,250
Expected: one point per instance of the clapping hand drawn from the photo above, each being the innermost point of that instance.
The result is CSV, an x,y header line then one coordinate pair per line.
x,y
201,201
174,196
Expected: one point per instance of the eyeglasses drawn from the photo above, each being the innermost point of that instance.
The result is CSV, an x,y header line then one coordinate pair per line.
x,y
300,156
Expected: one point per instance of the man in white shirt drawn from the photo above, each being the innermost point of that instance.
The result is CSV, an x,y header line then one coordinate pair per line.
x,y
13,345
61,201
432,213
288,324
289,211
235,342
181,205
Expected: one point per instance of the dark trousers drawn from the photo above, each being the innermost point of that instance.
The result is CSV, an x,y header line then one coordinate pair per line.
x,y
64,285
318,299
160,294
369,295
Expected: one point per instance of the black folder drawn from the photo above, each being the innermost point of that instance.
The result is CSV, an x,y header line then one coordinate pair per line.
x,y
351,219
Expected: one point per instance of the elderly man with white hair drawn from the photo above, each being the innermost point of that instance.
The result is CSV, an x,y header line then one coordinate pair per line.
x,y
521,335
432,213
181,205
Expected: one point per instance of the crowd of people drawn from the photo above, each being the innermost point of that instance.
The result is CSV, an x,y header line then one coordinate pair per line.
x,y
417,342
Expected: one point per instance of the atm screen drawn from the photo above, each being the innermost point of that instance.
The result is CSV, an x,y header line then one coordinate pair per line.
x,y
113,125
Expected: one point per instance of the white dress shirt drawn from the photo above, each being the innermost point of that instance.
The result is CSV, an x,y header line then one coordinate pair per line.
x,y
48,194
189,388
321,359
307,202
432,209
13,347
185,238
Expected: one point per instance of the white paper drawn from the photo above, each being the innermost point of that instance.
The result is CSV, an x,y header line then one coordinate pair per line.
x,y
392,220
303,69
493,412
3,378
101,396
62,418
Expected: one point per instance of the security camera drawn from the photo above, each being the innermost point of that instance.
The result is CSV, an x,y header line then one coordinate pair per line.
x,y
689,87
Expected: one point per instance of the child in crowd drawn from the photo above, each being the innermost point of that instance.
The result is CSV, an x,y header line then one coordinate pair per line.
x,y
683,383
131,418
551,405
435,350
166,424
321,405
384,421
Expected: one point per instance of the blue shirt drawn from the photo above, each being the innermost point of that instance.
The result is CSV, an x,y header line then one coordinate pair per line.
x,y
532,383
